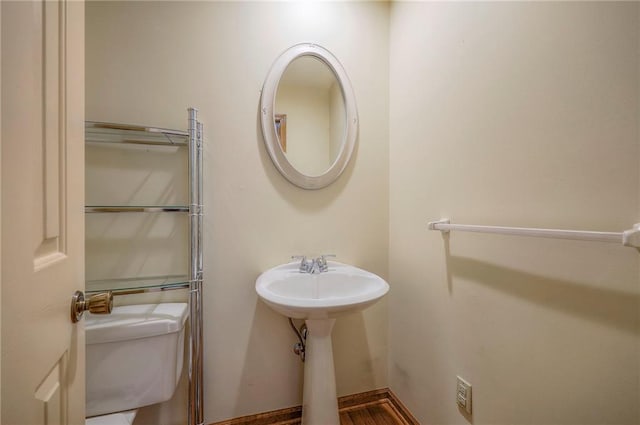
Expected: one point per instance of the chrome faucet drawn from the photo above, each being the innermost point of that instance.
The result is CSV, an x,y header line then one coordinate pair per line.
x,y
313,266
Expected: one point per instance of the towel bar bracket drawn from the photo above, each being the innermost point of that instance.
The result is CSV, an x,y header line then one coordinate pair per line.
x,y
432,225
632,237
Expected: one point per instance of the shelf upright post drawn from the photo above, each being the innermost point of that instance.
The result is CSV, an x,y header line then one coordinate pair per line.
x,y
200,277
195,413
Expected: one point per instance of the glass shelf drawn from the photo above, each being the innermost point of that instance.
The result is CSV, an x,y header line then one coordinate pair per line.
x,y
103,132
138,285
135,208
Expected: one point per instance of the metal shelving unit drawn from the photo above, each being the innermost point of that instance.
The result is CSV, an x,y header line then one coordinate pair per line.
x,y
112,133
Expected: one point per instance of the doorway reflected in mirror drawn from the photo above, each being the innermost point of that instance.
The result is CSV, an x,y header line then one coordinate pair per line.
x,y
281,130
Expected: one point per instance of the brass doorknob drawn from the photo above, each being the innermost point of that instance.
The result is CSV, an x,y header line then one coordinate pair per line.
x,y
101,303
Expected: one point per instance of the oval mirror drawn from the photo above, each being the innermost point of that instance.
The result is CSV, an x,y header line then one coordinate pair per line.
x,y
309,117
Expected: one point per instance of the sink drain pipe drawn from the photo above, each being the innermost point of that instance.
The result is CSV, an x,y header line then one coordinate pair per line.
x,y
301,333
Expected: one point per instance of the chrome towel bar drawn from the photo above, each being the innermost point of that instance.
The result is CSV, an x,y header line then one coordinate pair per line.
x,y
627,238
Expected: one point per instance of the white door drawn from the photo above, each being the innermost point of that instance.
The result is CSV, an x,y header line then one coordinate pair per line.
x,y
42,156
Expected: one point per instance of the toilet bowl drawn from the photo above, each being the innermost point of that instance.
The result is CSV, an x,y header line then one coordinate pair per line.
x,y
134,358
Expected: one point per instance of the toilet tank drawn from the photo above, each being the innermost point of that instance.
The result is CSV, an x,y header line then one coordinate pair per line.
x,y
134,356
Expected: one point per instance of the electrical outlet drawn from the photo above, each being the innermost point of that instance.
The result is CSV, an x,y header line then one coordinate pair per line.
x,y
463,394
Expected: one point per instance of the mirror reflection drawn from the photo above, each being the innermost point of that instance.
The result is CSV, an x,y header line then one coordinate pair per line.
x,y
309,116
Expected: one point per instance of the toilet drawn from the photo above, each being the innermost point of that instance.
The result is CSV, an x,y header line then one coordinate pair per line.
x,y
134,358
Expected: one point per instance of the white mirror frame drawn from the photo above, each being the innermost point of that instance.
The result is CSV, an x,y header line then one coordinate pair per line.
x,y
269,132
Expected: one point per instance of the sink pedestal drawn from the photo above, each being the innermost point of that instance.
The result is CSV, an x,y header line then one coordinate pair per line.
x,y
319,399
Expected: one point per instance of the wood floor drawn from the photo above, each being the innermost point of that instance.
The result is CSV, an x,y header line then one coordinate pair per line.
x,y
381,412
378,407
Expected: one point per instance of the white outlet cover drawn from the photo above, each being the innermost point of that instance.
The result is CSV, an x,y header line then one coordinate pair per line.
x,y
463,394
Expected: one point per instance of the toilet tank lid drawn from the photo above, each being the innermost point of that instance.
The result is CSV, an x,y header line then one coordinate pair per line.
x,y
135,321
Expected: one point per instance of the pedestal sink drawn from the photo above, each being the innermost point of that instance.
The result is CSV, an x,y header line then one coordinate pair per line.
x,y
319,298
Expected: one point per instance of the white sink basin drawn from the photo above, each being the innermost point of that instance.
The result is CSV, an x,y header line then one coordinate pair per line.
x,y
341,289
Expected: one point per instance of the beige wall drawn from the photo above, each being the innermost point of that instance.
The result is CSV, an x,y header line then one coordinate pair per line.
x,y
146,63
516,114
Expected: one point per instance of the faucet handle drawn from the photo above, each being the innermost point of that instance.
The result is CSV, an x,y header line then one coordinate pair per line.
x,y
322,261
304,264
